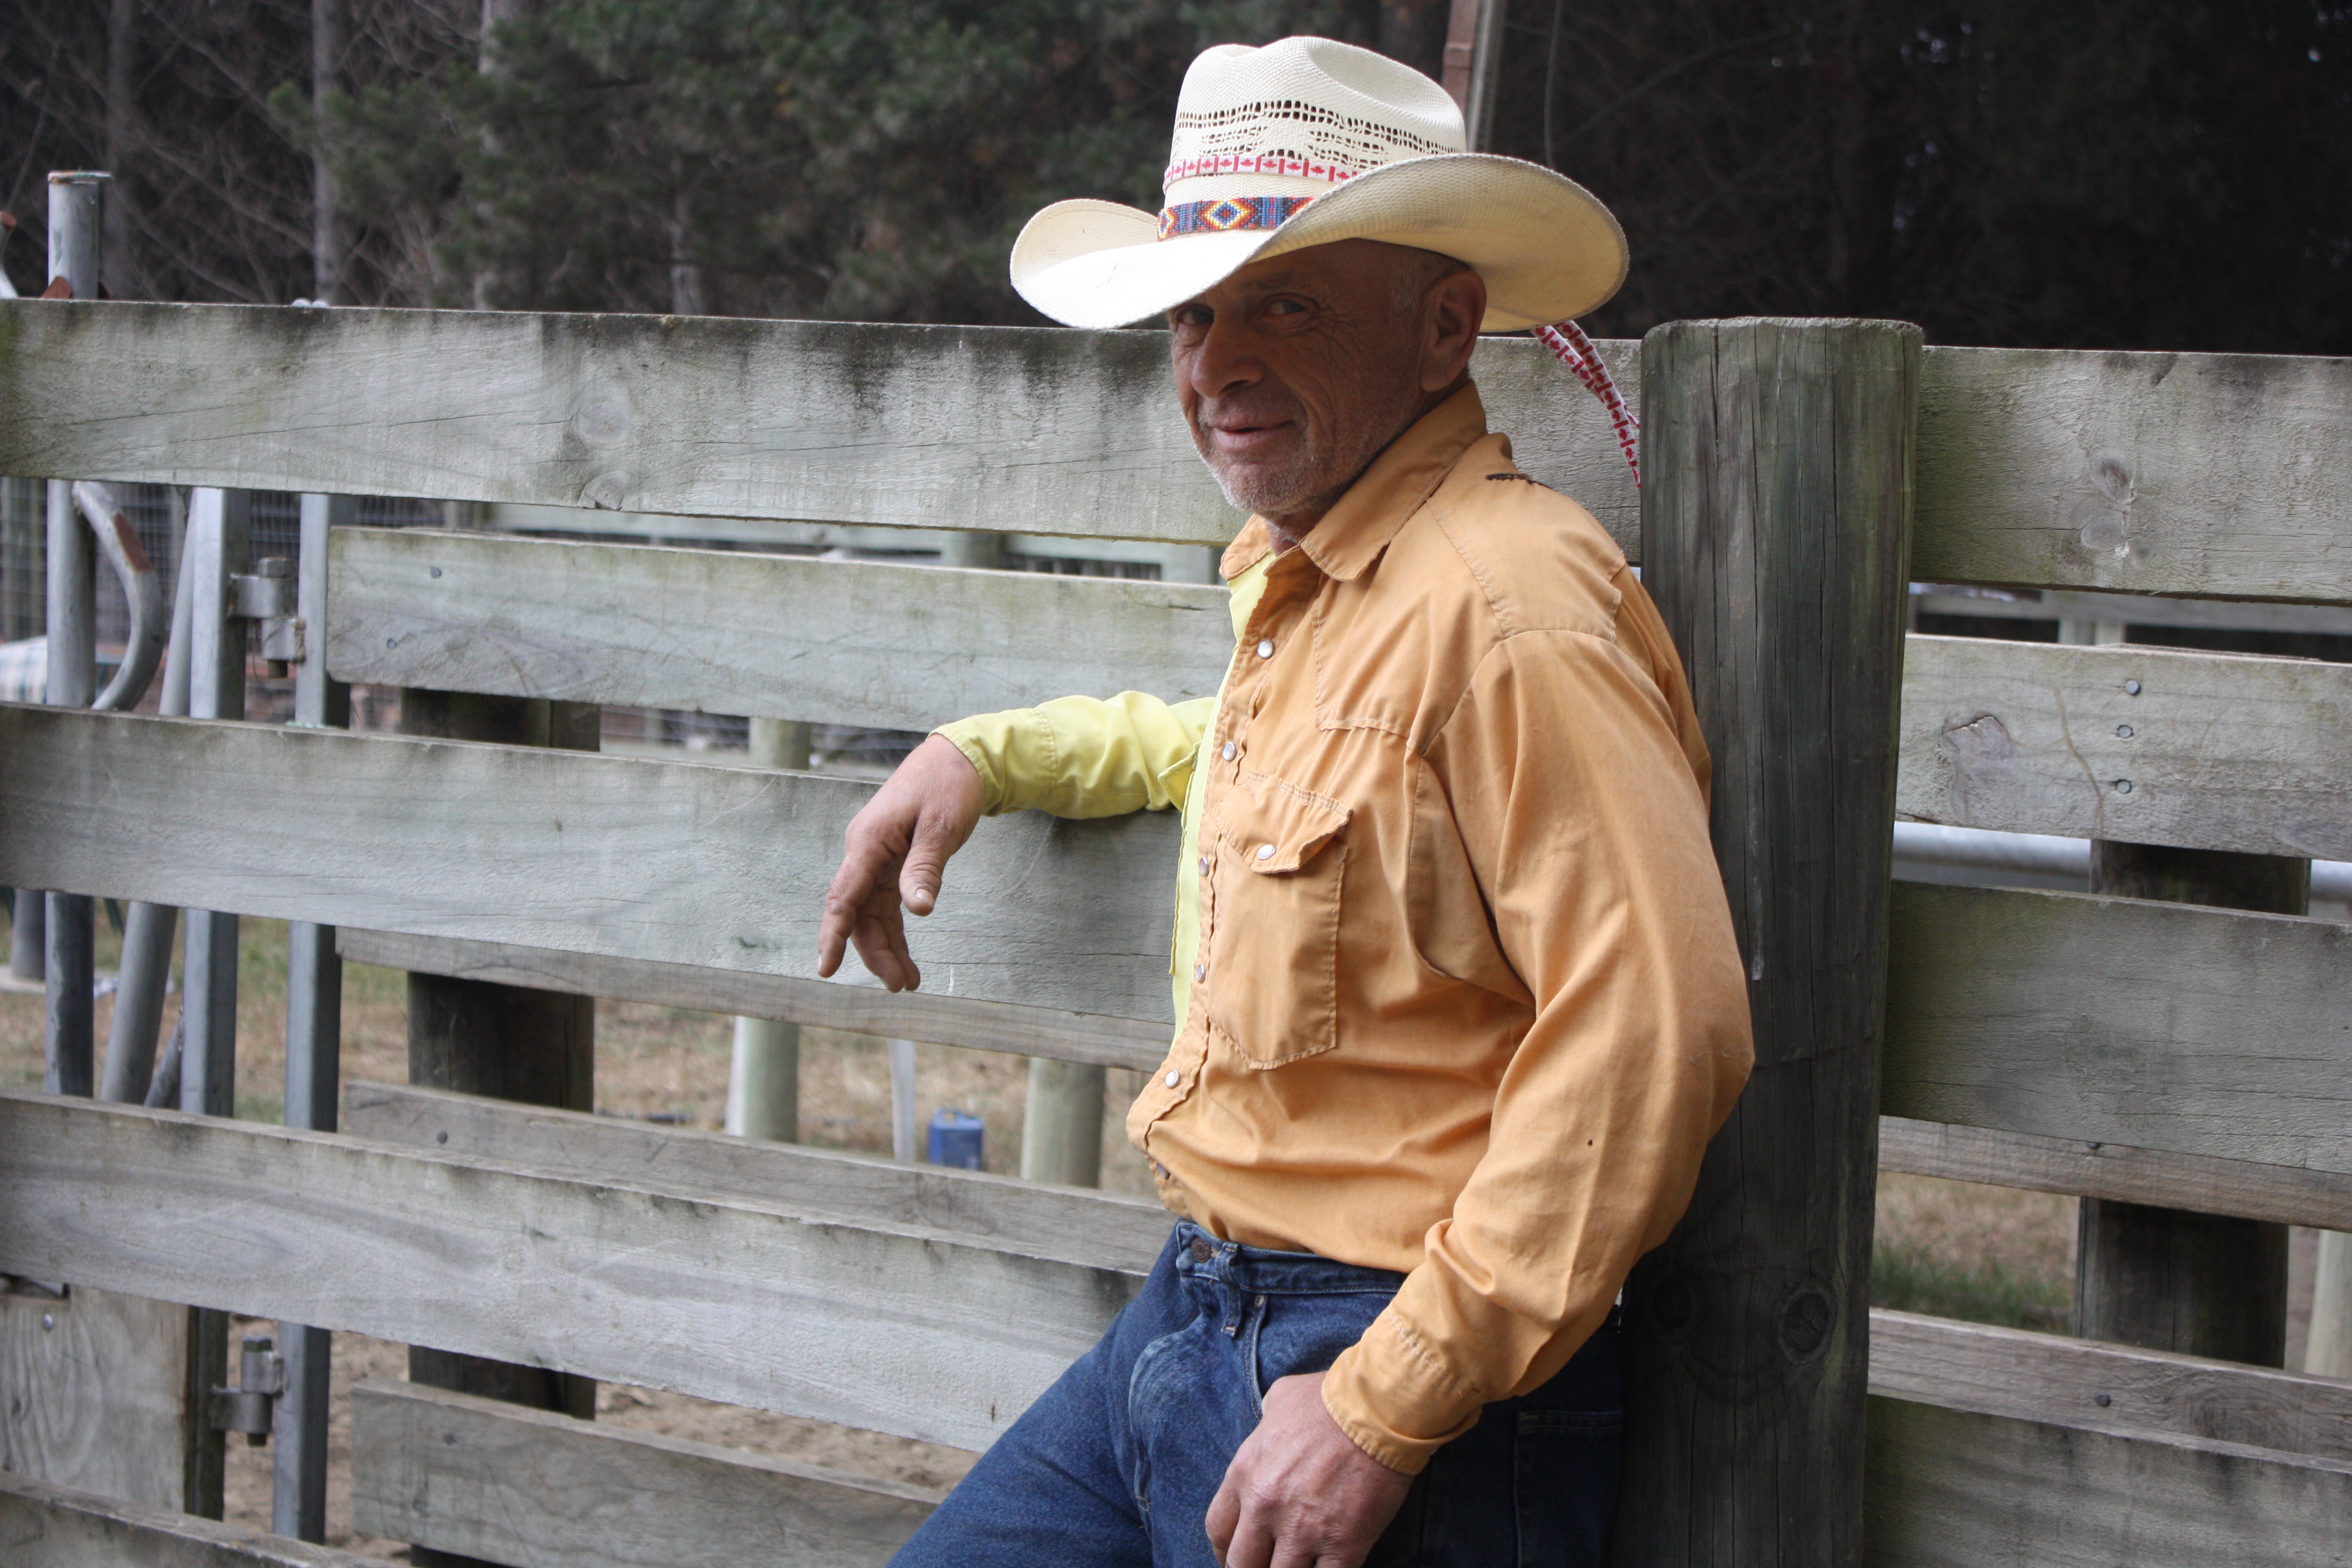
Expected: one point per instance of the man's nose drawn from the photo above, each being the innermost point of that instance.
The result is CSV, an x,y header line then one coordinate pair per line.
x,y
1224,362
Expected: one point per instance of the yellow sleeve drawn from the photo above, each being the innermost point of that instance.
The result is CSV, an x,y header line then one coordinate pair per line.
x,y
1580,809
1085,756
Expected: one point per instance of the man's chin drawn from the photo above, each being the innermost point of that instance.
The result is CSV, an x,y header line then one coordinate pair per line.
x,y
1251,486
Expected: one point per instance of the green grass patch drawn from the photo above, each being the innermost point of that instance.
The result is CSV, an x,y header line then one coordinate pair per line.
x,y
1912,1279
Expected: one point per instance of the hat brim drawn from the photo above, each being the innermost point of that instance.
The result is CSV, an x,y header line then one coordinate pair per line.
x,y
1546,247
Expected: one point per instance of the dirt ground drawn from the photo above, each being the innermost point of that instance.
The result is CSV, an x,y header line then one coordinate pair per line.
x,y
1979,1252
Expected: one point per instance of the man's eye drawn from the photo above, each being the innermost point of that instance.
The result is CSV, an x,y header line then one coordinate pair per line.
x,y
1194,316
1286,308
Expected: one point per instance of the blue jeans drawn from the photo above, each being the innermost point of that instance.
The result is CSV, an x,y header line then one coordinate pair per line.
x,y
1115,1463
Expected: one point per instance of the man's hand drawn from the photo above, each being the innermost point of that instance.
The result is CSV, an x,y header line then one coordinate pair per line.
x,y
1300,1494
898,848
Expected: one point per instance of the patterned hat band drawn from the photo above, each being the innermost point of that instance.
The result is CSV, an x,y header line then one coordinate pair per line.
x,y
1231,213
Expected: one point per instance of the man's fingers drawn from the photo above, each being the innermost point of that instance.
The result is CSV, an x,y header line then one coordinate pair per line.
x,y
1225,1513
938,836
881,937
864,862
1252,1545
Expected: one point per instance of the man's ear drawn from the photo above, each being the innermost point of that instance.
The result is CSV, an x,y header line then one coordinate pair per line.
x,y
1452,307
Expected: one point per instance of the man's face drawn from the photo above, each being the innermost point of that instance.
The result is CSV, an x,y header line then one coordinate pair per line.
x,y
1295,372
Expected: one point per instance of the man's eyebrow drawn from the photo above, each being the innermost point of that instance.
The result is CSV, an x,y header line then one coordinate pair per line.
x,y
1273,283
1276,281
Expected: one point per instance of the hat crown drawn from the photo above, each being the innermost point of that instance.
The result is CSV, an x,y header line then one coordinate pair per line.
x,y
1306,104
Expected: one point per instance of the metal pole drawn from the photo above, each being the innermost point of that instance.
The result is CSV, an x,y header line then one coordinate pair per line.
x,y
28,934
1061,1129
76,205
905,1145
764,1085
1473,41
314,1007
147,929
77,215
218,534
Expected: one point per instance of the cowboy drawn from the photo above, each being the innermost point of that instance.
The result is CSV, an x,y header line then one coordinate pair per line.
x,y
1457,997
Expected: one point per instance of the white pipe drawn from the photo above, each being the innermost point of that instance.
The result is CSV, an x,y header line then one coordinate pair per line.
x,y
1931,843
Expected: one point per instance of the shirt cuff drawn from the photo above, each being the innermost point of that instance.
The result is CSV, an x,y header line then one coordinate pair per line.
x,y
987,742
1394,1400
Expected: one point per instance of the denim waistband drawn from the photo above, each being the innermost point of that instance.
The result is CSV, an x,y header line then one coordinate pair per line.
x,y
1258,1271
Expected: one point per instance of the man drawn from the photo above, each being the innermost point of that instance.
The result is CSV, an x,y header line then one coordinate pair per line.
x,y
1458,1002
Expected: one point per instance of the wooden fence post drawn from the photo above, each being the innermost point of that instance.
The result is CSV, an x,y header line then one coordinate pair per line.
x,y
1776,510
505,1042
2163,1278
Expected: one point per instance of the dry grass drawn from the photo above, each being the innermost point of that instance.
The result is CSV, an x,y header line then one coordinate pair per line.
x,y
1943,1246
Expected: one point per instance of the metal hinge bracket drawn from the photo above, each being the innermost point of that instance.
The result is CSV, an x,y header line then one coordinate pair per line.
x,y
268,595
248,1407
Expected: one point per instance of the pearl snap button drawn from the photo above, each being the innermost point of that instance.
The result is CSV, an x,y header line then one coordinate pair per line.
x,y
1200,971
1266,851
1228,752
1205,864
1171,1080
1266,648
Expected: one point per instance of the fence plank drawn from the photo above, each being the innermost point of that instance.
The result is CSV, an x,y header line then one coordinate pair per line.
x,y
2160,1027
1952,1489
2222,475
902,647
672,862
2147,745
2200,1182
536,1490
2107,1387
1044,430
48,1526
2210,474
2221,751
891,1328
99,1396
1093,1040
921,1015
1077,1226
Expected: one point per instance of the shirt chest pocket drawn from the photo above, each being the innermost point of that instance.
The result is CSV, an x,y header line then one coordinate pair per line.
x,y
1271,981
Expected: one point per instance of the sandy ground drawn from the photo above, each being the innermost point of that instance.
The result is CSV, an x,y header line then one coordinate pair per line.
x,y
670,1066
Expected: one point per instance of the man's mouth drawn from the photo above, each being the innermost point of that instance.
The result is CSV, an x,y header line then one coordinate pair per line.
x,y
1241,440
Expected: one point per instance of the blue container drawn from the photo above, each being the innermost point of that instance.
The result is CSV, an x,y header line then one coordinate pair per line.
x,y
955,1139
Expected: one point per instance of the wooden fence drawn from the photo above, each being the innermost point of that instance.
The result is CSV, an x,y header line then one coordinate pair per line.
x,y
2187,1057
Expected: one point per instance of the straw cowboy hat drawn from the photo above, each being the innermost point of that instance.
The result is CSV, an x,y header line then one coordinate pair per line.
x,y
1303,143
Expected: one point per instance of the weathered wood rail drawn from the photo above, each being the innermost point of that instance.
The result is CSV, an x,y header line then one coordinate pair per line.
x,y
2146,1053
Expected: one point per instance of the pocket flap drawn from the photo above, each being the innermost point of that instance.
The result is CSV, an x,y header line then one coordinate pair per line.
x,y
1272,828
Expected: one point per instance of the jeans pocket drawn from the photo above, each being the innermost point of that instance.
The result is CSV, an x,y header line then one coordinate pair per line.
x,y
1566,1465
1287,1334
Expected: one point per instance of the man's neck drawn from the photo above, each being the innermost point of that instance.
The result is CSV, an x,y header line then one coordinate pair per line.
x,y
1287,528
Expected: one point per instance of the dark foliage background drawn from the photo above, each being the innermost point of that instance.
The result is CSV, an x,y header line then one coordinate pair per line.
x,y
2132,174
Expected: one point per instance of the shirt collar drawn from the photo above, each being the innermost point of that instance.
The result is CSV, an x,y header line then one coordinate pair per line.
x,y
1351,535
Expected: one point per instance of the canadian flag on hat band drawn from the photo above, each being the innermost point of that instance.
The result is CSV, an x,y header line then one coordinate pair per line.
x,y
1566,340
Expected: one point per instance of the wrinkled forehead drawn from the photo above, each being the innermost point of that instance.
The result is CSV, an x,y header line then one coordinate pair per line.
x,y
1343,267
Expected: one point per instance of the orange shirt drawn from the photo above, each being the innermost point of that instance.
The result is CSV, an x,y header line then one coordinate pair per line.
x,y
1465,1002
